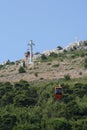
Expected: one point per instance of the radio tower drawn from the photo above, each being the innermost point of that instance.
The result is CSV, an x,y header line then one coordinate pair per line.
x,y
31,44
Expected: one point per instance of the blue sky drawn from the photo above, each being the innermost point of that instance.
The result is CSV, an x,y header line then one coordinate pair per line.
x,y
49,23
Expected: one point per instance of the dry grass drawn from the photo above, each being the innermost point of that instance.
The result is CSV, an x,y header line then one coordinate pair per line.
x,y
45,70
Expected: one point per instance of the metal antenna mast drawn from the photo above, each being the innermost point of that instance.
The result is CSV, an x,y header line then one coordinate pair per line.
x,y
31,51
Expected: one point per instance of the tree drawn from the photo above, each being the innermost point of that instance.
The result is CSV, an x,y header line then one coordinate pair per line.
x,y
59,48
21,70
43,57
7,99
58,124
22,100
85,43
67,77
7,122
52,54
85,63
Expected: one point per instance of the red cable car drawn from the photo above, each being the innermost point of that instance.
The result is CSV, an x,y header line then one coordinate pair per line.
x,y
27,54
58,92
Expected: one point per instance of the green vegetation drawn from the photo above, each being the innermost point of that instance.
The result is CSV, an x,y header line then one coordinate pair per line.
x,y
21,70
55,65
43,57
65,55
59,47
32,106
85,43
67,77
54,55
36,74
85,63
49,63
1,66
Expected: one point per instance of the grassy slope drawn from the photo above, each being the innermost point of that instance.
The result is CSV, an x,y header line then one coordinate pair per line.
x,y
53,67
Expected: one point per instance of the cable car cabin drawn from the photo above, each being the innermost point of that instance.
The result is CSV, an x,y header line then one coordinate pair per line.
x,y
27,54
58,92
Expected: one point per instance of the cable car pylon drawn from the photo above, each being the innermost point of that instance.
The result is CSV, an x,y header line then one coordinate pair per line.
x,y
31,51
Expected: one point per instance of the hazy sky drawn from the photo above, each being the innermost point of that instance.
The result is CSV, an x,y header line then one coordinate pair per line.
x,y
49,23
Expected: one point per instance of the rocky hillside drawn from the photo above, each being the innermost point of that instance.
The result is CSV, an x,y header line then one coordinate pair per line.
x,y
69,62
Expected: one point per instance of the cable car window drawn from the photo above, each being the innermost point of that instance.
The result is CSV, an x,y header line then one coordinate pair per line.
x,y
58,91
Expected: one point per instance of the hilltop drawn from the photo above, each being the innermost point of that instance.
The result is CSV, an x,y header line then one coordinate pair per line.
x,y
52,64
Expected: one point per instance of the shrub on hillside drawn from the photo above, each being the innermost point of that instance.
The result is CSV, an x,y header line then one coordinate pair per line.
x,y
43,57
67,77
36,74
85,63
49,63
52,54
59,48
7,121
56,65
21,70
1,66
85,43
